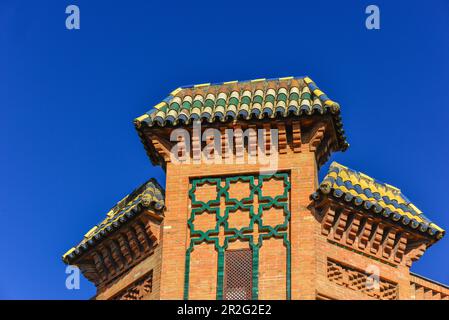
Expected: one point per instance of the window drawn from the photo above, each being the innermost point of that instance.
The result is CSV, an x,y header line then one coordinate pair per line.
x,y
238,274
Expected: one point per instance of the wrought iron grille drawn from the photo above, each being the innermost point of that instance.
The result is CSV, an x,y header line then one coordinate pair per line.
x,y
238,274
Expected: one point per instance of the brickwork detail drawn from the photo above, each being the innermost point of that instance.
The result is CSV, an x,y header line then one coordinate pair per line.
x,y
349,228
138,290
425,289
122,250
359,281
255,201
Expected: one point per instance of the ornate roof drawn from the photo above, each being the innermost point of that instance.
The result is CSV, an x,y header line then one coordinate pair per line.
x,y
253,99
149,195
377,197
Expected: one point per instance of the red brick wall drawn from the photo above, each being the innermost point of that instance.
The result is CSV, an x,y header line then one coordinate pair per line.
x,y
303,178
272,270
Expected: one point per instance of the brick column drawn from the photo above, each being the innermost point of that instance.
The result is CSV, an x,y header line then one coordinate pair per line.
x,y
303,226
174,233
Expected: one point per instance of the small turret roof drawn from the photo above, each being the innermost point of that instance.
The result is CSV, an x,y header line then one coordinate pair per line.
x,y
380,198
149,195
251,99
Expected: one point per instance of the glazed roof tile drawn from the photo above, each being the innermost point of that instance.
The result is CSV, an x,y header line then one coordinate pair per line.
x,y
253,99
382,198
149,195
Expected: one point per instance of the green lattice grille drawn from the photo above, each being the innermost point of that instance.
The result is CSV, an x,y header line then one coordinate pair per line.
x,y
280,201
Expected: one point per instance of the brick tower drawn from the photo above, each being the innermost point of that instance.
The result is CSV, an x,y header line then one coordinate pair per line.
x,y
243,216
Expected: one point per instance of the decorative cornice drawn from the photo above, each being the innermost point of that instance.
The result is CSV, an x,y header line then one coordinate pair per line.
x,y
149,196
371,196
292,97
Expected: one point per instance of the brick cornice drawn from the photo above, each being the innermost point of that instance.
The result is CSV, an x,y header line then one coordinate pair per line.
x,y
121,250
367,233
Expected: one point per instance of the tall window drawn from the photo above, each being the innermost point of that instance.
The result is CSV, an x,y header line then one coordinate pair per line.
x,y
238,274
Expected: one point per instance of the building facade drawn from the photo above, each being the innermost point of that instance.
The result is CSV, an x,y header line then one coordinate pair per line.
x,y
243,215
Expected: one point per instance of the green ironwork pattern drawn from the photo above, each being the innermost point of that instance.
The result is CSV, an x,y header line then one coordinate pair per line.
x,y
265,232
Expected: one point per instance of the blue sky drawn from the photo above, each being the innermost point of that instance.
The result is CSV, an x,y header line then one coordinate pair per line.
x,y
69,150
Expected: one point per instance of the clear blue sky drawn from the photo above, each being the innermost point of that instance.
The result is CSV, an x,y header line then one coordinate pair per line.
x,y
69,150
